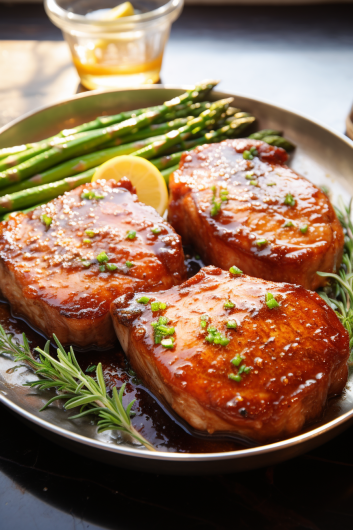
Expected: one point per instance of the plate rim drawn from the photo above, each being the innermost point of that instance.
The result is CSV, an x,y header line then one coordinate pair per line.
x,y
166,455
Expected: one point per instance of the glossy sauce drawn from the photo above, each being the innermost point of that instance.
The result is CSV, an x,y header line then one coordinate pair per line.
x,y
151,419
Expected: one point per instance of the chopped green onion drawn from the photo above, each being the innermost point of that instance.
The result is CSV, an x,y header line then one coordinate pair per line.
x,y
289,200
204,320
236,378
271,184
91,195
111,267
235,270
261,242
254,151
130,264
271,302
87,241
216,208
158,306
244,369
304,229
214,336
247,155
237,360
46,220
288,224
86,263
254,183
228,304
231,324
102,268
102,257
90,233
130,234
156,230
163,320
250,175
157,339
168,343
143,300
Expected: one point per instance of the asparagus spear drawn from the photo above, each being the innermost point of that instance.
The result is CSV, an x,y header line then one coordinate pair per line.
x,y
193,128
36,149
45,193
167,172
278,141
167,161
260,135
94,139
8,151
77,165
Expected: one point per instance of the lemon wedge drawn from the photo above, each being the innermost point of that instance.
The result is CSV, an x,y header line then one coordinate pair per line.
x,y
123,10
149,183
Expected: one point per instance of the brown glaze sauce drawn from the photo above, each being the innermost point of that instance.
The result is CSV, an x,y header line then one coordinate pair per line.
x,y
151,420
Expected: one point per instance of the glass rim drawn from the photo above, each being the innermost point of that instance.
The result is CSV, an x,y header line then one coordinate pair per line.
x,y
66,16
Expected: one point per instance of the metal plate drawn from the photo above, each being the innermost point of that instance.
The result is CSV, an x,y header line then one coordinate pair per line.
x,y
323,156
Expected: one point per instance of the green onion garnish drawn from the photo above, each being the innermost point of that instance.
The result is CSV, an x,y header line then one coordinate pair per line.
x,y
289,200
156,230
235,270
130,264
143,300
130,234
261,242
304,229
228,304
46,220
250,175
158,306
91,195
90,233
111,267
271,302
231,324
254,183
87,241
102,257
288,224
237,360
86,263
204,320
102,268
254,151
215,337
271,184
236,378
247,155
168,343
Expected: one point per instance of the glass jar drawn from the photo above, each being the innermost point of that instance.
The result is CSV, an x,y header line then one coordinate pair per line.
x,y
115,53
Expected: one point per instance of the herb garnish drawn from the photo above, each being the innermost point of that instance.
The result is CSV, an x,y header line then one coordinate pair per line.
x,y
228,304
75,387
338,294
304,229
90,233
91,368
143,300
289,200
102,257
288,224
204,319
161,331
130,264
261,242
130,234
235,270
271,302
215,337
158,306
46,220
91,194
156,230
249,155
231,324
237,361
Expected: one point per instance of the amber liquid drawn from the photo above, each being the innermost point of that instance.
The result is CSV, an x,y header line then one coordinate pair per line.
x,y
99,74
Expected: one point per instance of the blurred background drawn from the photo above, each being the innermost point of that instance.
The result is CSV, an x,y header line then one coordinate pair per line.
x,y
294,54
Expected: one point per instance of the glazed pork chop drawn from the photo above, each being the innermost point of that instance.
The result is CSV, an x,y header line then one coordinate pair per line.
x,y
236,202
63,264
234,353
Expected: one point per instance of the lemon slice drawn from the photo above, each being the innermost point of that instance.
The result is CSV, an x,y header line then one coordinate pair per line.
x,y
123,10
149,183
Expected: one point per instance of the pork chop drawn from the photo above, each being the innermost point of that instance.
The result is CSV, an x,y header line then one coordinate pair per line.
x,y
63,264
236,202
234,353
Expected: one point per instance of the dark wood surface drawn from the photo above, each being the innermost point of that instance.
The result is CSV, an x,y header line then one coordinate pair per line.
x,y
299,57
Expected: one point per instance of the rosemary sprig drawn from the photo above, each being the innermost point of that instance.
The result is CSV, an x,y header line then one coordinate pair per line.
x,y
339,293
75,387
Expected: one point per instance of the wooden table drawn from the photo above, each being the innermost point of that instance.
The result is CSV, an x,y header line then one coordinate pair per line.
x,y
296,57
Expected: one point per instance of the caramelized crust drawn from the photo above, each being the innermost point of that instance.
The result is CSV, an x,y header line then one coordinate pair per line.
x,y
45,271
254,228
297,353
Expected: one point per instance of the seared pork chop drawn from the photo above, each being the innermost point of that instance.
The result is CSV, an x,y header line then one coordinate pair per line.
x,y
63,264
235,353
236,202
